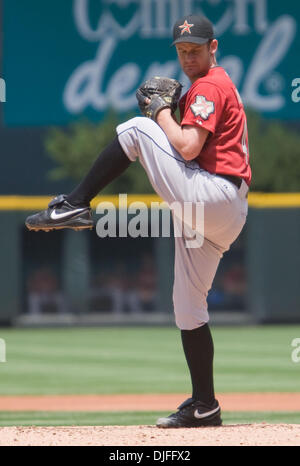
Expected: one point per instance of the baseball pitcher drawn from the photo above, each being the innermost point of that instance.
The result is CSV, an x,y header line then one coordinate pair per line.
x,y
203,158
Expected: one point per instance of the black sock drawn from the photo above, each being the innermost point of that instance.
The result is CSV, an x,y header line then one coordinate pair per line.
x,y
110,164
199,352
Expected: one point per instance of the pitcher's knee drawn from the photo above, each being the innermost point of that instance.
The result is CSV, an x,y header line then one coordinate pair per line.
x,y
134,133
145,123
135,121
189,320
141,123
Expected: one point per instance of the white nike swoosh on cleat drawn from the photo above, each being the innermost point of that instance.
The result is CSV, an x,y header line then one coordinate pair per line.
x,y
208,413
55,216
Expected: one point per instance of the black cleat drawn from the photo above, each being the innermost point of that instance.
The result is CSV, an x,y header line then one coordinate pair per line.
x,y
192,413
60,214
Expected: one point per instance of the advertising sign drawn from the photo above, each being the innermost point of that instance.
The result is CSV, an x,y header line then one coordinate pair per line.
x,y
63,60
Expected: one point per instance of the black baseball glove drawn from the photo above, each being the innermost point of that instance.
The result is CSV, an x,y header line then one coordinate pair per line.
x,y
157,93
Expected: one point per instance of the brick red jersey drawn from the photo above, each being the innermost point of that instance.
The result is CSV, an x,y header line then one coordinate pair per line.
x,y
213,102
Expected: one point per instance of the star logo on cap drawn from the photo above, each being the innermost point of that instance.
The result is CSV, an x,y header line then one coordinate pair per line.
x,y
186,27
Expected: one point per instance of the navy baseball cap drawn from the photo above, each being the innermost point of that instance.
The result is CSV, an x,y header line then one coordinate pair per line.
x,y
193,28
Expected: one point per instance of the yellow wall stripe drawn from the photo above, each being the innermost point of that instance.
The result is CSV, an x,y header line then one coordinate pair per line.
x,y
257,200
274,200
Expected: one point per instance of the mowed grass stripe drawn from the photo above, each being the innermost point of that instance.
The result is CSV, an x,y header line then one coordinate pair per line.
x,y
44,418
143,360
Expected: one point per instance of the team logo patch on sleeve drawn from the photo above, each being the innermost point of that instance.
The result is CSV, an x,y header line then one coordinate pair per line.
x,y
202,107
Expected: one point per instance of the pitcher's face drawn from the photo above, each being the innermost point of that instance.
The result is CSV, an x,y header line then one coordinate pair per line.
x,y
196,60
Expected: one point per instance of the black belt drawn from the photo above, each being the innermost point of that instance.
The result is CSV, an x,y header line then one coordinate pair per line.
x,y
236,180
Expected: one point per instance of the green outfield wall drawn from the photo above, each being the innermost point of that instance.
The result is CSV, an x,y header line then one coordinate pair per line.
x,y
272,257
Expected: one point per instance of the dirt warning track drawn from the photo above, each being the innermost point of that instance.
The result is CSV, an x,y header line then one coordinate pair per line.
x,y
146,402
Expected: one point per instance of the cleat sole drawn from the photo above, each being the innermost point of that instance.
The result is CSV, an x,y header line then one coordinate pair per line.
x,y
46,230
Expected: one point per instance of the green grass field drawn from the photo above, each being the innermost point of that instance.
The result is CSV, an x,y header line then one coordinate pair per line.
x,y
141,360
43,418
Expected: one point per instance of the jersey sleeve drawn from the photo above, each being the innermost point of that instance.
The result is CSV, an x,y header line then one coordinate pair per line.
x,y
204,106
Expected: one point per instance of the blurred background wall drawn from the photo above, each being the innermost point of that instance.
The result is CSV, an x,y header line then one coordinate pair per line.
x,y
71,69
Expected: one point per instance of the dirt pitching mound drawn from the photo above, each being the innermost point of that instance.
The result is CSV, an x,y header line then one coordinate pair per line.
x,y
240,434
